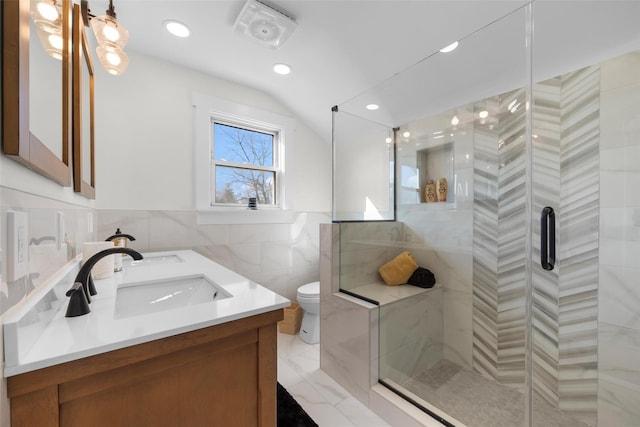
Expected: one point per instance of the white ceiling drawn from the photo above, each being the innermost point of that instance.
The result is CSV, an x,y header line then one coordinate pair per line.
x,y
340,48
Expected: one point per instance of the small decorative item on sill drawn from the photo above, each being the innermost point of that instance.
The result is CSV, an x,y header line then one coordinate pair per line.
x,y
430,192
442,189
253,205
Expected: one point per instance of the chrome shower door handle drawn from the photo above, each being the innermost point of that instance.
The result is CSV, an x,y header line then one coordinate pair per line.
x,y
547,238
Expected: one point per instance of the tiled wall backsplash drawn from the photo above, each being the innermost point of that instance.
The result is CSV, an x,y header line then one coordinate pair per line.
x,y
48,252
281,257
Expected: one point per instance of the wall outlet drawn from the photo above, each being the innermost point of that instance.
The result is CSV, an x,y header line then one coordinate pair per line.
x,y
17,245
90,222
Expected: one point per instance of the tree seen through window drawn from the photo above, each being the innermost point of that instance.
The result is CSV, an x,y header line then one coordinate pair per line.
x,y
244,165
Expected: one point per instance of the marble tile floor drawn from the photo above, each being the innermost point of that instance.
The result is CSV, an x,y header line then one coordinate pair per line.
x,y
328,403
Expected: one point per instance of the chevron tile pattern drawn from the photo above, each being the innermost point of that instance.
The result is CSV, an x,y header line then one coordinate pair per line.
x,y
565,177
499,236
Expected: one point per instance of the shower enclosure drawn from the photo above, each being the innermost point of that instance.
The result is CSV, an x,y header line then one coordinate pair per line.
x,y
534,121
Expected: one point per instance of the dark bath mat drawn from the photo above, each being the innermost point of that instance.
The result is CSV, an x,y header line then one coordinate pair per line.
x,y
290,413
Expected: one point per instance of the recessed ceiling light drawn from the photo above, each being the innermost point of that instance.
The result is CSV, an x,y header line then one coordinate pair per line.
x,y
483,114
388,140
282,69
176,28
449,48
406,134
372,107
455,120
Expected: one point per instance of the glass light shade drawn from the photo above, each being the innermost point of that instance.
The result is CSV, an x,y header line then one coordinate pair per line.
x,y
47,10
50,37
109,30
46,15
113,59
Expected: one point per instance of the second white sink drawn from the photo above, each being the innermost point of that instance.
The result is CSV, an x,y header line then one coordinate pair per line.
x,y
137,298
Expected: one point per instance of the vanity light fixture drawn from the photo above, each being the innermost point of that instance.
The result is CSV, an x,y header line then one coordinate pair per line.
x,y
111,35
372,107
449,48
282,69
47,19
177,28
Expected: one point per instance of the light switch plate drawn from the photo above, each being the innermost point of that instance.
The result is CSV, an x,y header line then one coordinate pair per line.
x,y
17,245
60,229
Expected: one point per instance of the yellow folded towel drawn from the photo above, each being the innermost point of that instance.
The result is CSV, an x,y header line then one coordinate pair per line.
x,y
398,270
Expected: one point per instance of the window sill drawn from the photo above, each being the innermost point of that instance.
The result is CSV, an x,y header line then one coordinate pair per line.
x,y
245,216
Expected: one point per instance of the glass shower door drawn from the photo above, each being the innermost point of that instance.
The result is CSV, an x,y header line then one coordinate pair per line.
x,y
585,140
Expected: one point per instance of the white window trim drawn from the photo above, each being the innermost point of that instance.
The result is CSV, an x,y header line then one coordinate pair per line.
x,y
207,108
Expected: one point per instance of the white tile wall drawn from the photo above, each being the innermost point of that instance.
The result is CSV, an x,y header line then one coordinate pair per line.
x,y
281,257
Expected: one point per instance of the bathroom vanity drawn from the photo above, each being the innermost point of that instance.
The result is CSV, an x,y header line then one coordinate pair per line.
x,y
194,362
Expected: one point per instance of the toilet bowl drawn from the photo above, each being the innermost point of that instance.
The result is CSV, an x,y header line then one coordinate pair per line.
x,y
308,297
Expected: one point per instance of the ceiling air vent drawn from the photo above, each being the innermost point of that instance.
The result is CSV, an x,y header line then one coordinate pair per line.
x,y
264,24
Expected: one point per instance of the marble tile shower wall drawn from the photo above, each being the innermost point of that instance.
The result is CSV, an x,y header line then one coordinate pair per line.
x,y
281,257
618,292
440,236
364,247
46,253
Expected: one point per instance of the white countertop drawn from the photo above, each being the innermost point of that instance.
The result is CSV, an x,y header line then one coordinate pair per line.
x,y
60,339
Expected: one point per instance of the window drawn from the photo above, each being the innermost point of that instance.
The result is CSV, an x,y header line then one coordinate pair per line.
x,y
244,164
240,153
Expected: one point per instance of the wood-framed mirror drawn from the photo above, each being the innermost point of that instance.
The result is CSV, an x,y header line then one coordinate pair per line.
x,y
36,98
83,110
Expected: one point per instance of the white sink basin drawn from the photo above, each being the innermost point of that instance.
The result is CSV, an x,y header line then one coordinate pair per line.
x,y
138,298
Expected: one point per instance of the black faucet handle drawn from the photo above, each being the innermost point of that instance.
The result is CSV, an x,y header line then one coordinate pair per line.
x,y
92,288
78,304
120,235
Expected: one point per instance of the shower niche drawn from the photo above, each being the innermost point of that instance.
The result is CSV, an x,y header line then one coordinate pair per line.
x,y
434,164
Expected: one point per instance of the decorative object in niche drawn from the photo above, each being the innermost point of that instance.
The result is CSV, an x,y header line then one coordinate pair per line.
x,y
436,161
442,189
430,192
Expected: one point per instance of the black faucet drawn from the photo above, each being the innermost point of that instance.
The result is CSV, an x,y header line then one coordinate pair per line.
x,y
83,285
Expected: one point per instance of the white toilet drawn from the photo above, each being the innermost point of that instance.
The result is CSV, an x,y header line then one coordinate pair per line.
x,y
308,297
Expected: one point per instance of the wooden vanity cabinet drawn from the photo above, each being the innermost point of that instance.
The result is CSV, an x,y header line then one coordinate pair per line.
x,y
223,375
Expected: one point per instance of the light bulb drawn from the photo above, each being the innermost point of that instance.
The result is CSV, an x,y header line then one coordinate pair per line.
x,y
110,32
55,41
113,58
48,11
